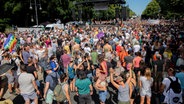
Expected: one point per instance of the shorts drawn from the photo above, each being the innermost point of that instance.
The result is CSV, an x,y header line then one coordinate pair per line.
x,y
145,93
70,80
136,70
49,97
123,102
30,96
103,96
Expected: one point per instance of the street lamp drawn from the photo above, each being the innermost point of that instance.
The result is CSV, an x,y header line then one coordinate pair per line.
x,y
36,12
32,20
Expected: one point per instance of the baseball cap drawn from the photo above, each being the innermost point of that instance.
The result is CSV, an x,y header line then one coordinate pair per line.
x,y
48,67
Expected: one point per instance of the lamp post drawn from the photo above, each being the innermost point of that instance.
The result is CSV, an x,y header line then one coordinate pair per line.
x,y
36,11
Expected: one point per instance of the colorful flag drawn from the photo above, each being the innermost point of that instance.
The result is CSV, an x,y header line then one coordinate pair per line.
x,y
100,35
10,42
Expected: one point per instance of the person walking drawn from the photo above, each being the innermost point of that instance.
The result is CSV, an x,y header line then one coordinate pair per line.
x,y
65,88
51,81
27,86
165,86
145,84
84,88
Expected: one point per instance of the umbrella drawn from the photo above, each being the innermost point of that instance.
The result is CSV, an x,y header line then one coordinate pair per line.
x,y
5,67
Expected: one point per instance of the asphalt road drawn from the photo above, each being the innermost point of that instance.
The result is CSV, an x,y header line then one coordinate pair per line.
x,y
111,97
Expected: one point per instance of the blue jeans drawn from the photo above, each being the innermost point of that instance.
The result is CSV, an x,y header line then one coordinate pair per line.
x,y
38,83
103,96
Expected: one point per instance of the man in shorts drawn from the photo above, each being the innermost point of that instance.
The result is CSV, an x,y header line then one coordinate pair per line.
x,y
52,79
27,86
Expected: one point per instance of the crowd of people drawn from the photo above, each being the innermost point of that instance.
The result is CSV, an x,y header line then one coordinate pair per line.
x,y
130,61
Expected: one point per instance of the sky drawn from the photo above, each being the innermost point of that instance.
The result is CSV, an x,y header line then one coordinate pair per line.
x,y
137,6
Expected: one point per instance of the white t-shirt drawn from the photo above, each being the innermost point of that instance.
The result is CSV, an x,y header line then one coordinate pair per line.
x,y
22,41
127,35
179,61
136,48
146,84
50,52
25,83
54,46
167,82
134,40
87,50
40,53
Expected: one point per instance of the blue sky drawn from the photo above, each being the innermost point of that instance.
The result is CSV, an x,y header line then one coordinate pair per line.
x,y
137,6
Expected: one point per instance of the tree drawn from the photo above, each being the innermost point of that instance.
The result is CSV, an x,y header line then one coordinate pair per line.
x,y
131,13
171,8
17,12
152,10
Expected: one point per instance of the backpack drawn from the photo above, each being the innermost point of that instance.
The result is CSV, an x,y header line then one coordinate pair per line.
x,y
14,64
174,92
55,82
59,93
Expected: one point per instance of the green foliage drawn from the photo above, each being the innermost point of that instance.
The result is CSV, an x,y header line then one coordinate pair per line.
x,y
131,13
16,8
18,12
171,8
105,14
3,24
152,10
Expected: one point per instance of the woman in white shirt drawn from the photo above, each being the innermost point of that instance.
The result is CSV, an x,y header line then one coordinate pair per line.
x,y
145,84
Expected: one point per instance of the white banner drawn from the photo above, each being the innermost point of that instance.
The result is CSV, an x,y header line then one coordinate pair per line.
x,y
101,6
153,22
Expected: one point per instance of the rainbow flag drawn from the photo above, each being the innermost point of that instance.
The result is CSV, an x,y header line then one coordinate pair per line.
x,y
10,42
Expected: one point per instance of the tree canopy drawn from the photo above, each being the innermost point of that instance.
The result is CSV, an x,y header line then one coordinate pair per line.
x,y
171,8
164,8
152,10
18,12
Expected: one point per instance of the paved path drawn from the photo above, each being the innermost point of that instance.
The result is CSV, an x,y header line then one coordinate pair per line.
x,y
112,98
